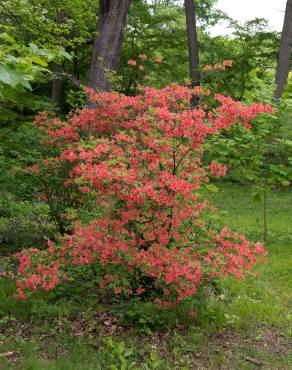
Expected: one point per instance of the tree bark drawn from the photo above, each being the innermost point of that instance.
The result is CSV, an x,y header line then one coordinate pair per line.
x,y
190,10
284,58
108,42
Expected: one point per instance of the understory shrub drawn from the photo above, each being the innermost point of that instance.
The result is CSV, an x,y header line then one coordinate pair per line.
x,y
262,155
24,223
131,174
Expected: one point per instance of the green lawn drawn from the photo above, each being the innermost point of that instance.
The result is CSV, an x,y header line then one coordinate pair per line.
x,y
244,325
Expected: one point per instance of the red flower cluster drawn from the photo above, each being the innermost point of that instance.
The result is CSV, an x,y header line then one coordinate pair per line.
x,y
217,169
218,67
132,62
139,158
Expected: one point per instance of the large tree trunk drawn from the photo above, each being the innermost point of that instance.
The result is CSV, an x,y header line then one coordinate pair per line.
x,y
190,11
284,58
108,41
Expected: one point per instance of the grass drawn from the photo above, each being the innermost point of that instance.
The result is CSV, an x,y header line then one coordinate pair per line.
x,y
246,326
269,297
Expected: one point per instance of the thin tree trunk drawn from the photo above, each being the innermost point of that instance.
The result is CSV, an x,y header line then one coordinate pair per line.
x,y
265,206
57,86
108,42
193,46
57,82
284,58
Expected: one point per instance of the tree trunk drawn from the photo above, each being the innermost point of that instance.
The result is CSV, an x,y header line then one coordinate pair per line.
x,y
57,81
57,86
284,58
108,41
190,11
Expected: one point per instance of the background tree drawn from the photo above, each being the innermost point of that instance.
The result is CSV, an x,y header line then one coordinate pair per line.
x,y
158,29
284,58
108,41
57,25
193,46
253,51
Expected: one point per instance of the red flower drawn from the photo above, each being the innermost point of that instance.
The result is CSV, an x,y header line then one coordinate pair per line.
x,y
193,313
207,68
227,63
132,62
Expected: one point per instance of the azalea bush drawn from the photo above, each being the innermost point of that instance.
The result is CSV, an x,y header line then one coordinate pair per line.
x,y
131,175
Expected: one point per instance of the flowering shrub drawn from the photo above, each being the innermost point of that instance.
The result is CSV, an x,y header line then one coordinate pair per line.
x,y
219,77
138,159
218,67
139,70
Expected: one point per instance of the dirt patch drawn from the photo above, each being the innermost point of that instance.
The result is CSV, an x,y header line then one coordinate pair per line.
x,y
272,341
263,341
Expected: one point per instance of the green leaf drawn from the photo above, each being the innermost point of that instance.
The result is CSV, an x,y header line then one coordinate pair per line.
x,y
285,183
64,54
34,49
25,84
288,142
248,95
39,61
9,76
212,188
253,73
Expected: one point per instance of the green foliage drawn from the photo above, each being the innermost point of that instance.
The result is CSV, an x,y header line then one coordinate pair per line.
x,y
18,148
48,34
75,99
155,28
24,223
253,50
259,154
24,220
21,67
158,29
117,355
21,64
262,154
54,23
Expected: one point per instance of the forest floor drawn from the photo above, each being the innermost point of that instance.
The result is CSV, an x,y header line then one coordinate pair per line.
x,y
247,325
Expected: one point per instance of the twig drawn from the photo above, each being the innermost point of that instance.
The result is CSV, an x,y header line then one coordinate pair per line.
x,y
63,74
254,361
24,327
10,12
